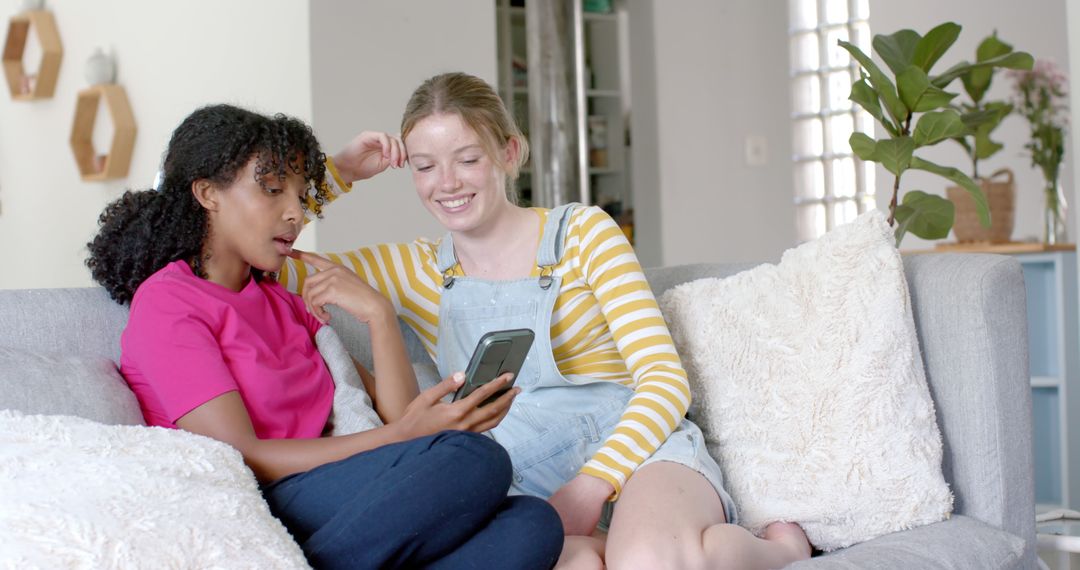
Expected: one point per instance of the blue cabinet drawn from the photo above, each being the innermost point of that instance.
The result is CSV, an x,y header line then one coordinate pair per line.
x,y
1050,278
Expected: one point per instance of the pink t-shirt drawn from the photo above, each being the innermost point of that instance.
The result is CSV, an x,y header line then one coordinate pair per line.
x,y
189,340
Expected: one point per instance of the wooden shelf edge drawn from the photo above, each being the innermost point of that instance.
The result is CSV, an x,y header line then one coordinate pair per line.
x,y
1010,247
1002,248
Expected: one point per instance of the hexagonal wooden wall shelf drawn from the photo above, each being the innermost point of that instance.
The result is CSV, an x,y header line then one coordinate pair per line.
x,y
94,166
24,87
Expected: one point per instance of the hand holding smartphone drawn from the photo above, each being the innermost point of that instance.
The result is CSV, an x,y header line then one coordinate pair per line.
x,y
496,353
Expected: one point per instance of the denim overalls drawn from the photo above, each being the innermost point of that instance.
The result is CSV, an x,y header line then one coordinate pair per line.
x,y
557,423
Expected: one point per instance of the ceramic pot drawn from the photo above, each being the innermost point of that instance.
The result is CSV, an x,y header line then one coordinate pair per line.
x,y
99,68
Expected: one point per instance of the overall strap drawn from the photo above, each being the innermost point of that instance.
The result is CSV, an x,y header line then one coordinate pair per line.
x,y
446,259
550,251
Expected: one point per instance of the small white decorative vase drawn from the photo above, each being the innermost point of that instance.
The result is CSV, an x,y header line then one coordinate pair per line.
x,y
99,68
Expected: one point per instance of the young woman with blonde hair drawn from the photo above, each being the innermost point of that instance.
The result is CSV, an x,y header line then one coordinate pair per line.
x,y
599,427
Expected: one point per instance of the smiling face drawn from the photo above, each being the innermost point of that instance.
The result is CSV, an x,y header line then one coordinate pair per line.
x,y
253,221
457,181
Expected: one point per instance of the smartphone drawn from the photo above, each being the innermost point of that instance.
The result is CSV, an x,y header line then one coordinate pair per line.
x,y
496,353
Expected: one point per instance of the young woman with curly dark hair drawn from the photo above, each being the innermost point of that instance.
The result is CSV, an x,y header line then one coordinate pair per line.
x,y
213,348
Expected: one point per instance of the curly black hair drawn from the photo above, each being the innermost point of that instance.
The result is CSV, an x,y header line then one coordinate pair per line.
x,y
142,231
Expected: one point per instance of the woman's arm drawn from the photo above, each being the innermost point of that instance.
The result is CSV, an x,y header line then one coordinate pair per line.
x,y
393,384
661,389
225,418
367,155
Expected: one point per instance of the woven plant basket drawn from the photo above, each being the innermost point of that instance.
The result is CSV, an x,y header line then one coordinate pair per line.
x,y
1000,191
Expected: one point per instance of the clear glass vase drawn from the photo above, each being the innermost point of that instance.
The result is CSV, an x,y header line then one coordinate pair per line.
x,y
1054,229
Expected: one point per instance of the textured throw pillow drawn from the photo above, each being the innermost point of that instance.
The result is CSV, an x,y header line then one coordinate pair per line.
x,y
79,494
352,411
66,384
809,387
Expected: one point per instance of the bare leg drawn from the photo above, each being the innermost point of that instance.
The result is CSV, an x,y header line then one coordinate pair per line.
x,y
669,516
581,553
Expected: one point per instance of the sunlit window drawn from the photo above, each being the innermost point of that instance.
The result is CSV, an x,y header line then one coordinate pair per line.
x,y
832,185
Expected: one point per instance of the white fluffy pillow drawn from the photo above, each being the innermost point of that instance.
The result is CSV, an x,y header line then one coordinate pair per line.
x,y
78,494
352,411
809,386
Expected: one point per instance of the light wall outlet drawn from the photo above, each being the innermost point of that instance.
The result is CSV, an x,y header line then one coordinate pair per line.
x,y
757,150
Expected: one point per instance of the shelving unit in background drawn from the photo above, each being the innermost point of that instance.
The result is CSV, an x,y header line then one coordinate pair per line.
x,y
606,95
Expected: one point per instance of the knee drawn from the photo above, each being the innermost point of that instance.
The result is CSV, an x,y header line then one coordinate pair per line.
x,y
539,532
480,456
659,553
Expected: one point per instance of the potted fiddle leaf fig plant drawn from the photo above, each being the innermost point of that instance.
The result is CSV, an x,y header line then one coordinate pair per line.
x,y
914,110
981,117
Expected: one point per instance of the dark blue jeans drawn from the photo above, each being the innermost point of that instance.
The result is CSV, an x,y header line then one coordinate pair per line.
x,y
436,502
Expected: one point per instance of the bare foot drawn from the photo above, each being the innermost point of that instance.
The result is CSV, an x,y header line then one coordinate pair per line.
x,y
791,536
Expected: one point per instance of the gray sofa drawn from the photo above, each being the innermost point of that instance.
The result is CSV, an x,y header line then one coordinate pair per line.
x,y
970,315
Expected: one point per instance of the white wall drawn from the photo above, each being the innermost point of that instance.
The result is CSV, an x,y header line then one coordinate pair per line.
x,y
172,57
721,75
1035,26
367,58
1072,157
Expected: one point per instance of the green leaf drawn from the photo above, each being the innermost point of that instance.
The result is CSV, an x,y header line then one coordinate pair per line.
x,y
984,147
934,98
934,44
964,143
896,50
937,126
978,81
867,98
880,82
1014,60
991,47
862,145
925,215
894,154
911,84
974,119
963,180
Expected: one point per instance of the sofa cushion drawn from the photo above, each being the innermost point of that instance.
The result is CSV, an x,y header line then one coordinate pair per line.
x,y
81,385
76,493
960,542
809,387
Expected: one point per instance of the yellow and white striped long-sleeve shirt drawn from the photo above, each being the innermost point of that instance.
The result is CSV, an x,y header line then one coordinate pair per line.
x,y
606,324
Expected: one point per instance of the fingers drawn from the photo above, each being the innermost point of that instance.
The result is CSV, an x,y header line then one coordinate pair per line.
x,y
392,149
317,261
493,413
314,295
487,390
397,152
448,386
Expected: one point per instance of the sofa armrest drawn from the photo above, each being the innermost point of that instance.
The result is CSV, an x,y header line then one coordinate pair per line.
x,y
959,542
971,316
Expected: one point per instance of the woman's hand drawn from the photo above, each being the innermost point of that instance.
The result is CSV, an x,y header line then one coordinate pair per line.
x,y
580,503
428,414
336,285
369,154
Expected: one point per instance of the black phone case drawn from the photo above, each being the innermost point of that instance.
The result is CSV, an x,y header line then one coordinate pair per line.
x,y
496,353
